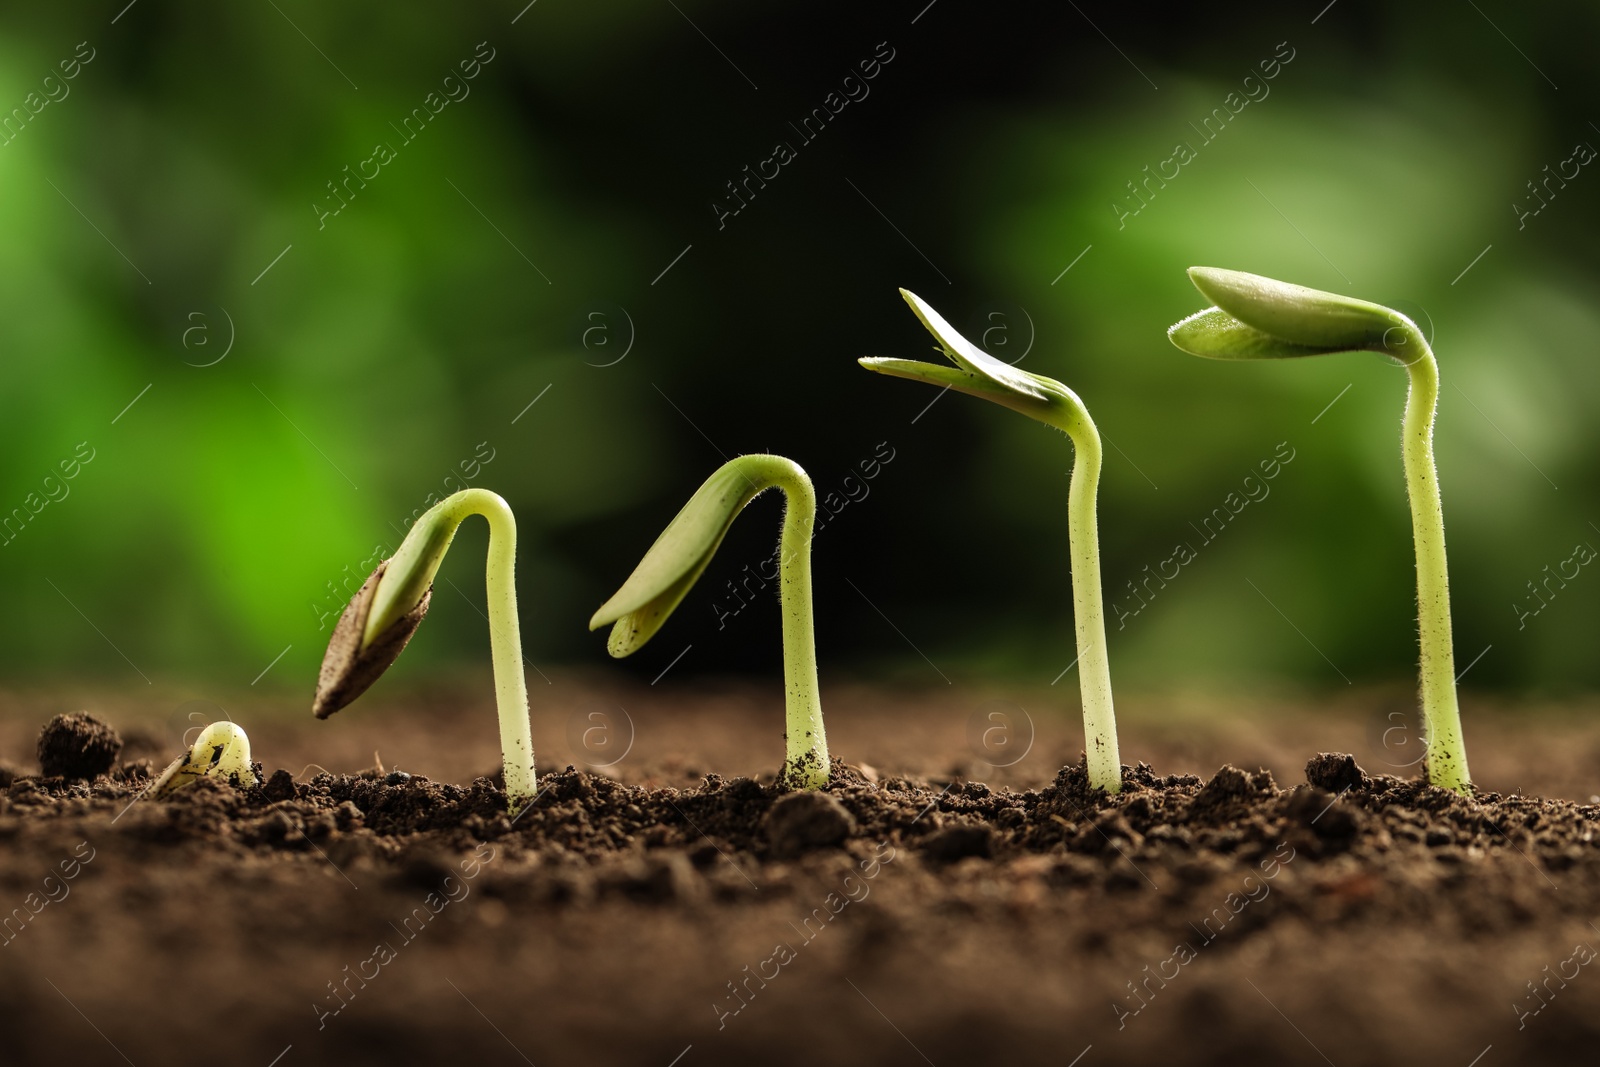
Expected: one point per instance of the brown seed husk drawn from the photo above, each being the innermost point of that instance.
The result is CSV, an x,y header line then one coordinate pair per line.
x,y
348,669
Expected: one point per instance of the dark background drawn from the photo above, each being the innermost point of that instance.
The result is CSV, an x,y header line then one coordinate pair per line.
x,y
464,282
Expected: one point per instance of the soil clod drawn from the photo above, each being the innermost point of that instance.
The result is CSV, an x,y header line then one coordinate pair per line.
x,y
800,822
1335,772
279,787
77,747
1229,781
958,842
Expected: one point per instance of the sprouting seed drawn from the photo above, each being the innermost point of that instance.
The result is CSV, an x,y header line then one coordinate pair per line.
x,y
221,751
979,374
680,555
388,608
1260,318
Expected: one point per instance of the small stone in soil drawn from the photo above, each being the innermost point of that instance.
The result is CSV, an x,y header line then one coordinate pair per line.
x,y
77,746
799,822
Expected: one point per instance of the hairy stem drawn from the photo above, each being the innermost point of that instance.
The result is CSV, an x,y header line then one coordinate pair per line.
x,y
806,763
417,561
1447,753
1083,543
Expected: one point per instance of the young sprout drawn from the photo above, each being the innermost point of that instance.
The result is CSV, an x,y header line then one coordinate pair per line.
x,y
386,611
681,554
221,751
1259,318
979,374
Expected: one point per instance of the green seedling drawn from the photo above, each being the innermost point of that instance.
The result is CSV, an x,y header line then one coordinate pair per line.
x,y
221,751
681,554
1259,318
979,374
386,611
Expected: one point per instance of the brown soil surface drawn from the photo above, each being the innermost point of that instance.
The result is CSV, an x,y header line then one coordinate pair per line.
x,y
927,907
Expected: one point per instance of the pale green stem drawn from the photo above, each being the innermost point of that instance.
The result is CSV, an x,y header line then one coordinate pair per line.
x,y
1447,753
414,565
806,764
1083,544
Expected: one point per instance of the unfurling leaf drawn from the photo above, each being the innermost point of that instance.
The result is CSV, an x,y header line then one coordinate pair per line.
x,y
677,559
1310,321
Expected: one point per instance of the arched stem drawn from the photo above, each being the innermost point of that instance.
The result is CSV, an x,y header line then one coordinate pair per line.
x,y
1262,318
806,764
1447,753
415,564
1083,543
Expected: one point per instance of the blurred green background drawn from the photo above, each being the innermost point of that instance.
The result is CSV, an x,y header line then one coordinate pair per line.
x,y
550,237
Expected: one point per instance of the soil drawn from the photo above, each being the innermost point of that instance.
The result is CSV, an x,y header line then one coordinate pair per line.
x,y
655,912
77,747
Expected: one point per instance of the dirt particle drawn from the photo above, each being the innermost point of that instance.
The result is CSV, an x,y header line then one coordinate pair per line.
x,y
424,867
800,822
1335,772
1229,783
657,878
347,816
277,827
958,842
77,746
279,787
1140,808
1340,822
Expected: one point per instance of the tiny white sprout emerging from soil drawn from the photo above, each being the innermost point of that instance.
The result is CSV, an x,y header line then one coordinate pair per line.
x,y
386,611
979,374
684,550
222,751
1260,318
